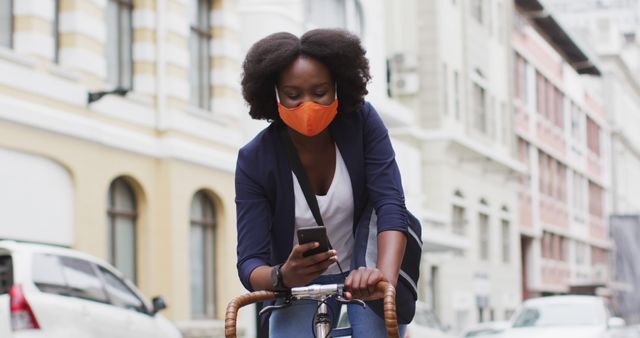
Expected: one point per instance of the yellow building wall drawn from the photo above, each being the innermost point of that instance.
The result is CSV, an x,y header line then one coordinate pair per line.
x,y
164,190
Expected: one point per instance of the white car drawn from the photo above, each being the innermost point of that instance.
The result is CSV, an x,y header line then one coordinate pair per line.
x,y
426,324
564,317
487,329
52,292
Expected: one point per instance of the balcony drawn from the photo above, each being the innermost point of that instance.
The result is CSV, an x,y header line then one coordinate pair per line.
x,y
551,136
553,213
555,275
438,236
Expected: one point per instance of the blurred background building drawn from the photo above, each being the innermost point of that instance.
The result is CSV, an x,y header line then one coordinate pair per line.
x,y
447,61
612,29
120,121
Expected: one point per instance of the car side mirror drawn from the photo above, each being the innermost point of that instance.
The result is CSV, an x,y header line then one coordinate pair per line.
x,y
158,304
616,323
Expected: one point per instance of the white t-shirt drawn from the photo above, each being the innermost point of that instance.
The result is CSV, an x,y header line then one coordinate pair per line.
x,y
336,208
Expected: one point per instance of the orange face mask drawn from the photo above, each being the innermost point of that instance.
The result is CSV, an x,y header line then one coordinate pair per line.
x,y
309,118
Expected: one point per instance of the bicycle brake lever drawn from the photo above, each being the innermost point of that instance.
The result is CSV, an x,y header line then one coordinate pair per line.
x,y
271,308
343,300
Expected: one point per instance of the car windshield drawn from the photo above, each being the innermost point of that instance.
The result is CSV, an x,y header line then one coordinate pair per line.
x,y
561,315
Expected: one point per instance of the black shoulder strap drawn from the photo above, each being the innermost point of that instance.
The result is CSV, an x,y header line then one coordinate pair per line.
x,y
298,169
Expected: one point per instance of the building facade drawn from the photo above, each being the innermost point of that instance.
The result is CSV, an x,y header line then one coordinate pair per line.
x,y
142,177
449,61
613,29
120,121
563,137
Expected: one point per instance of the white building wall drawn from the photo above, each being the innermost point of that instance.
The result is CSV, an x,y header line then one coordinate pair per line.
x,y
36,199
458,157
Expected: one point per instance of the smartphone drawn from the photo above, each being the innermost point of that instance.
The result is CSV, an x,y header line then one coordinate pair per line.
x,y
314,234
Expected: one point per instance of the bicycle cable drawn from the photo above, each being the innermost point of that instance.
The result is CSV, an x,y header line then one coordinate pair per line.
x,y
313,320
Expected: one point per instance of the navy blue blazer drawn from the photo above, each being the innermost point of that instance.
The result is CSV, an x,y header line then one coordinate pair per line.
x,y
265,202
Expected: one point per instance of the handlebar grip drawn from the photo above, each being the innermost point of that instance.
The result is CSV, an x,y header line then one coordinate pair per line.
x,y
390,319
237,303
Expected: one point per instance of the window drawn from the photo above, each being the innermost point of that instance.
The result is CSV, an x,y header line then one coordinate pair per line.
x,y
119,43
483,221
200,61
542,165
506,242
456,93
595,199
122,215
576,125
327,13
561,179
492,112
546,245
550,99
55,29
345,14
82,280
202,246
445,97
593,136
540,94
120,294
459,223
47,274
479,108
6,23
6,274
476,10
559,109
521,78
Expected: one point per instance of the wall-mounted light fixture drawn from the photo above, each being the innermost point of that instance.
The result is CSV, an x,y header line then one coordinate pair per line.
x,y
95,96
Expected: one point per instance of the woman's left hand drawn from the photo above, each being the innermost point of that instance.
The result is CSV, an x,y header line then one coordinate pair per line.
x,y
361,284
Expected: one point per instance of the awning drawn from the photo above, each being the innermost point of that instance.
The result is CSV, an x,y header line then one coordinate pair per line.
x,y
558,37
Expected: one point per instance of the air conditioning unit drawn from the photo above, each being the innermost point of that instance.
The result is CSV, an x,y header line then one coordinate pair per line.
x,y
403,76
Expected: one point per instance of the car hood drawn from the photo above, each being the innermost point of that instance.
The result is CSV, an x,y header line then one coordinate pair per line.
x,y
555,332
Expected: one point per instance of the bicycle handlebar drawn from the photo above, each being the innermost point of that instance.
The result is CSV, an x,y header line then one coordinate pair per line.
x,y
311,291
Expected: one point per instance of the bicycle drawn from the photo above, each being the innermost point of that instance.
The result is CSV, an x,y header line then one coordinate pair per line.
x,y
319,293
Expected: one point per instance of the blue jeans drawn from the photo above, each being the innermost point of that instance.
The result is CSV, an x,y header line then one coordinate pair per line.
x,y
296,321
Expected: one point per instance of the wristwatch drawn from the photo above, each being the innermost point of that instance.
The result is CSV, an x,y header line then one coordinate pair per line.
x,y
276,278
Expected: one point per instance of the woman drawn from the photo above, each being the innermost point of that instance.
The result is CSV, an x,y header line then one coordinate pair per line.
x,y
312,89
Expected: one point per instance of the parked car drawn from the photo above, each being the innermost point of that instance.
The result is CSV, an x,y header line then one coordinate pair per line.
x,y
426,324
487,329
565,317
52,292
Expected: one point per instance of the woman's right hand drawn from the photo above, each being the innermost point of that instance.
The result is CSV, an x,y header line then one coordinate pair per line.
x,y
299,270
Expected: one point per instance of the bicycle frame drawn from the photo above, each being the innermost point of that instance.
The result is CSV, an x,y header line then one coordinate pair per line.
x,y
320,293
